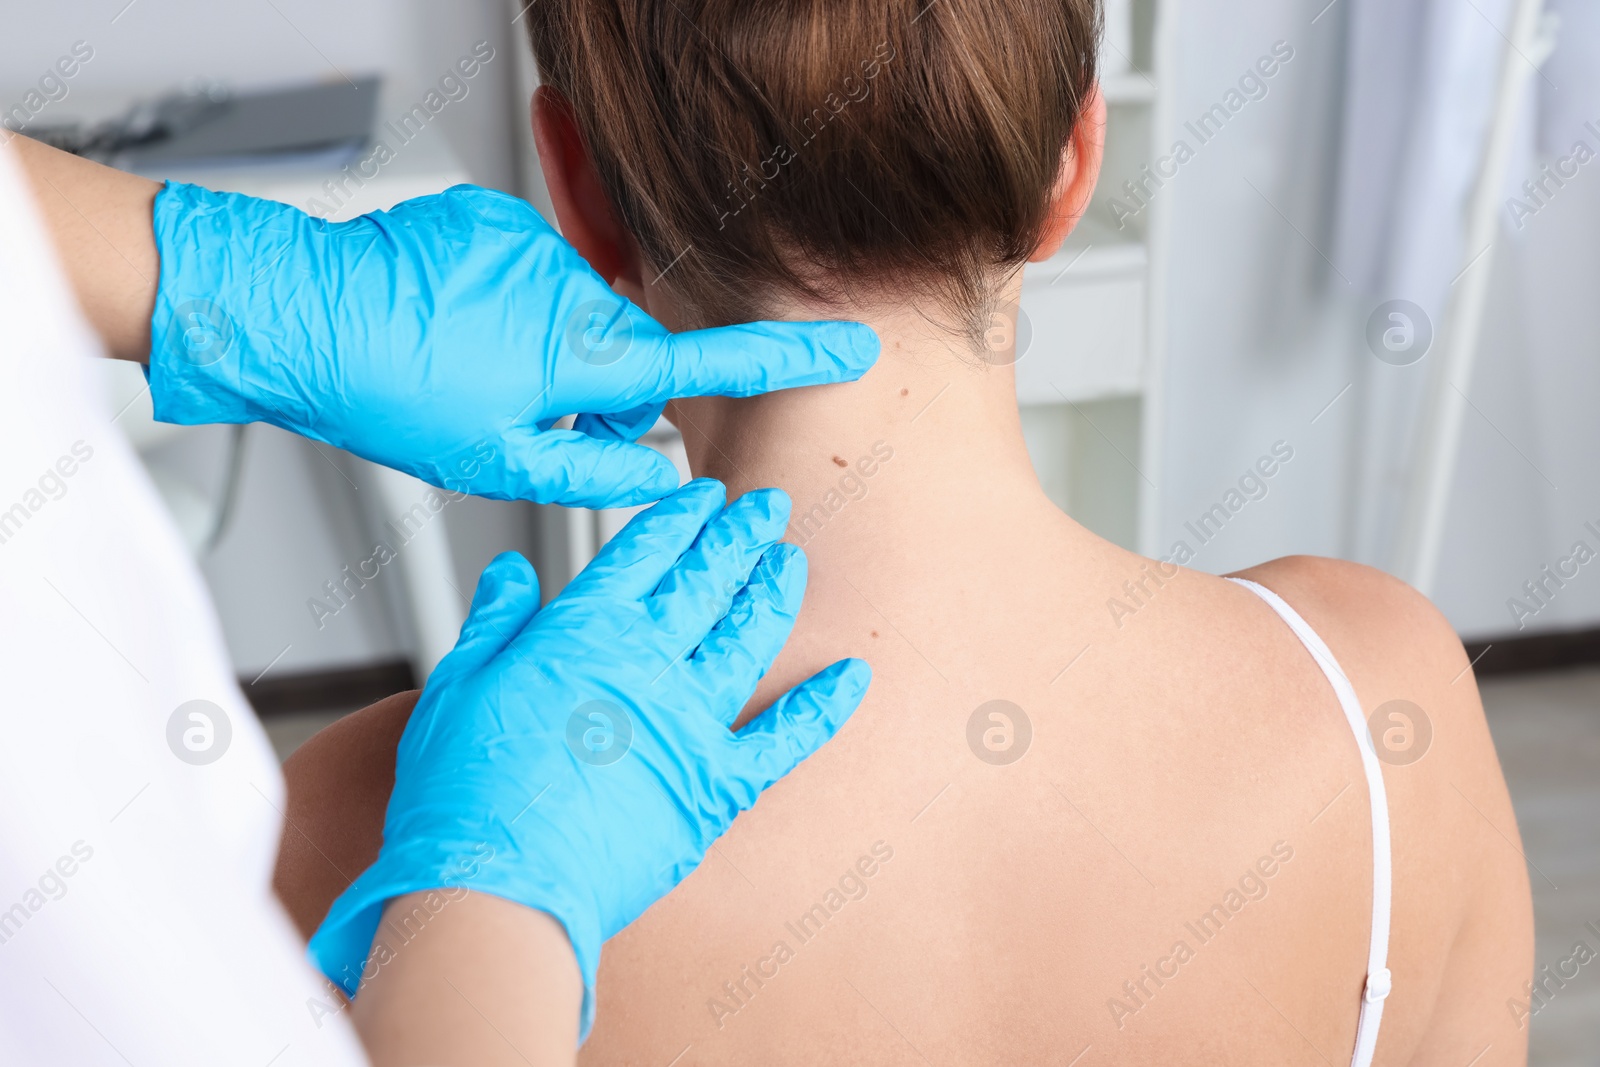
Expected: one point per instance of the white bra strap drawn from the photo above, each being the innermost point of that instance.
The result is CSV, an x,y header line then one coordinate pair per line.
x,y
1378,978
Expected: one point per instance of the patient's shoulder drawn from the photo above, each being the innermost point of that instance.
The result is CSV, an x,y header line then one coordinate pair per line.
x,y
1377,626
1351,590
1413,679
1461,895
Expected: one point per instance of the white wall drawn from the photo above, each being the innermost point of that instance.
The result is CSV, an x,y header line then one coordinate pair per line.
x,y
1261,337
1264,332
1254,345
161,43
1528,479
155,41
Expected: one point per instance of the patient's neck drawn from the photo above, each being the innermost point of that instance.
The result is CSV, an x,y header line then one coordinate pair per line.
x,y
927,444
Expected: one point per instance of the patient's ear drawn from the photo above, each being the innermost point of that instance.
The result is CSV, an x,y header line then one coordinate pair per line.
x,y
583,210
1080,170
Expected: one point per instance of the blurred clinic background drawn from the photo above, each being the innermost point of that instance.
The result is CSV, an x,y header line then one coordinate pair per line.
x,y
1357,235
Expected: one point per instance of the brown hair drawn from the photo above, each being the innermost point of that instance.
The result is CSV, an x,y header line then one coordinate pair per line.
x,y
765,147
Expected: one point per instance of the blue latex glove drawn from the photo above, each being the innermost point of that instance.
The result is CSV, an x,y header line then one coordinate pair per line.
x,y
444,338
578,759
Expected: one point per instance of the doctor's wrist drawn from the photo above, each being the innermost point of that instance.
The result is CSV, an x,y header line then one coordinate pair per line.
x,y
470,978
214,356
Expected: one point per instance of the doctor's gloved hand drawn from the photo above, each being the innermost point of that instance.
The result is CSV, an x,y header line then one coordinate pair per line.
x,y
579,759
444,338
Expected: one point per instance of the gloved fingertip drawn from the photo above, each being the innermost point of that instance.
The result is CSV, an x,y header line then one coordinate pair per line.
x,y
627,425
594,426
630,475
783,566
770,507
778,503
510,562
782,557
855,344
658,480
842,686
506,569
806,718
705,485
665,478
697,500
699,497
859,672
505,601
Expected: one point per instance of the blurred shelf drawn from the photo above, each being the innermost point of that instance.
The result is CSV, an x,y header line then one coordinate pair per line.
x,y
1090,261
416,167
1092,313
1128,87
1086,340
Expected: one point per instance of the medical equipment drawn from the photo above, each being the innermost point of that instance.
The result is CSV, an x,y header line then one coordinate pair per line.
x,y
206,124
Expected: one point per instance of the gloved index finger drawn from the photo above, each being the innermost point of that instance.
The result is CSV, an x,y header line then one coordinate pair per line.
x,y
633,562
697,591
758,357
614,358
742,646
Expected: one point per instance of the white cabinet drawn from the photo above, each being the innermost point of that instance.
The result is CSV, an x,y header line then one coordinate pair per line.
x,y
1090,380
1085,337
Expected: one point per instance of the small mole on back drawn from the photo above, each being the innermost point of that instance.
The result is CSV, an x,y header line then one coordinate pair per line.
x,y
874,633
905,392
839,461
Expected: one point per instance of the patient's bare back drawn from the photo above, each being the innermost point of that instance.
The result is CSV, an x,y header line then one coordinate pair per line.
x,y
1046,839
1053,835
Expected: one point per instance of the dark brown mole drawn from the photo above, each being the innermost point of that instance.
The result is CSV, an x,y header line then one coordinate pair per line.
x,y
839,461
905,392
874,633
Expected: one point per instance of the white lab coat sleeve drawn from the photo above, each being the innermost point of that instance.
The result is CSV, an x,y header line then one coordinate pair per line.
x,y
140,804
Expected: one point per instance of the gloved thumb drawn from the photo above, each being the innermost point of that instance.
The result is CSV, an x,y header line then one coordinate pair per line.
x,y
578,471
507,598
622,425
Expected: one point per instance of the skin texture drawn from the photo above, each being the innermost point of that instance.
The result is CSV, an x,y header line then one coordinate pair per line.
x,y
100,219
982,913
478,958
350,769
